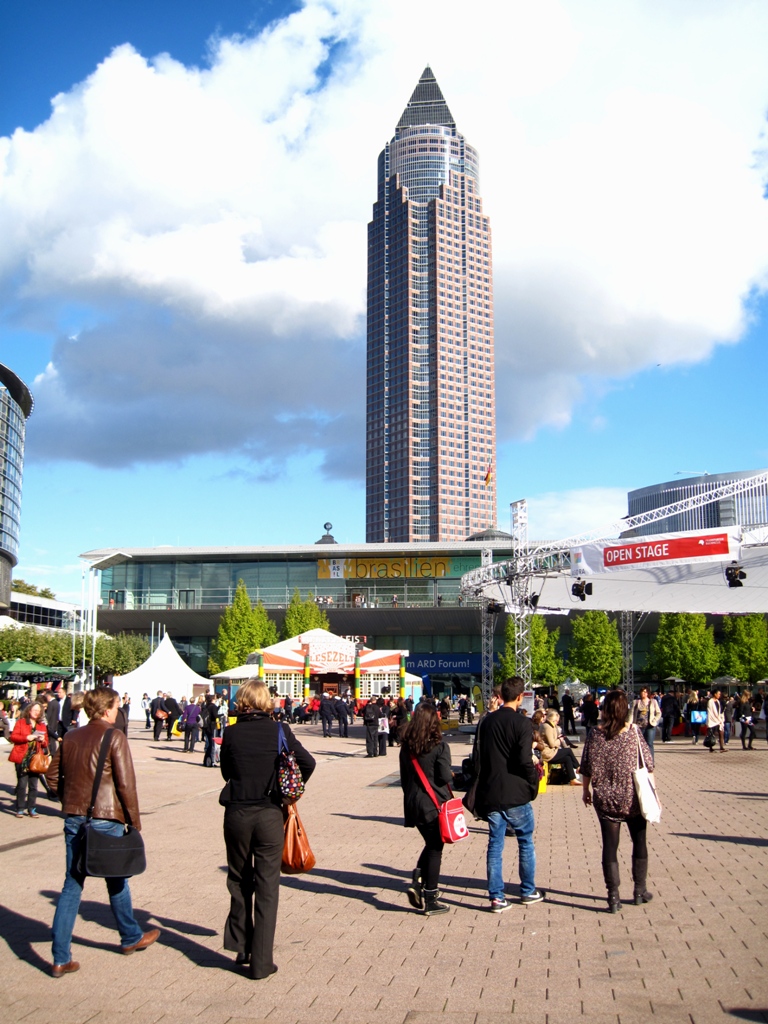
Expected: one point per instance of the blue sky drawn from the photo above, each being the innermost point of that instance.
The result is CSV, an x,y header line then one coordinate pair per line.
x,y
182,283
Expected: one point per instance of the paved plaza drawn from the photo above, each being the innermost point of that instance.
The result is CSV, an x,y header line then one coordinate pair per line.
x,y
350,949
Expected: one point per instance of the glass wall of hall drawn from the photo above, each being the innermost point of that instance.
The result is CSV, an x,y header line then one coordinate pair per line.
x,y
184,585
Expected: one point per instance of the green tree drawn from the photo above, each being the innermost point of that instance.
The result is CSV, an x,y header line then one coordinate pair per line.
x,y
22,587
120,654
685,647
546,664
242,630
595,653
744,650
303,615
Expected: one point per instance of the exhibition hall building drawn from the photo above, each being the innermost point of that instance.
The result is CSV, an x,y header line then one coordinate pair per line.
x,y
403,596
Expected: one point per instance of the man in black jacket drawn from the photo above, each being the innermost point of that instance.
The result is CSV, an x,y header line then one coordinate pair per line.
x,y
670,712
342,715
158,705
507,785
174,714
52,711
327,714
569,724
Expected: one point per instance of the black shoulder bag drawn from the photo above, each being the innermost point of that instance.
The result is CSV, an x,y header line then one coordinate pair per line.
x,y
105,856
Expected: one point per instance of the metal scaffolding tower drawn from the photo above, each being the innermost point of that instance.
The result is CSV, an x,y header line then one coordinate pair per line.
x,y
627,650
487,630
519,581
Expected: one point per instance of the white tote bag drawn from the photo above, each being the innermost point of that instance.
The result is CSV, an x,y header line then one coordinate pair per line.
x,y
650,807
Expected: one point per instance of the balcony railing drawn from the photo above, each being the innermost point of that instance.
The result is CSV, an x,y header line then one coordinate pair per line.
x,y
409,594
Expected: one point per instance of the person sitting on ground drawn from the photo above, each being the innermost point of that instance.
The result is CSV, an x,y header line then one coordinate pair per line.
x,y
552,752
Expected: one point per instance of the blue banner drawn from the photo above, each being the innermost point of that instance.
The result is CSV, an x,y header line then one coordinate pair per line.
x,y
440,664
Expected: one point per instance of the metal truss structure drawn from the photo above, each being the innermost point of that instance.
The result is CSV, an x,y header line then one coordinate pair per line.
x,y
517,574
488,619
627,650
630,624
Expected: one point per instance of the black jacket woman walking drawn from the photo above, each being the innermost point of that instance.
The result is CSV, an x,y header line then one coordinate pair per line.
x,y
610,756
253,826
423,741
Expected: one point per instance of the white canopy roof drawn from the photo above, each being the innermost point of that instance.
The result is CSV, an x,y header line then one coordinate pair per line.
x,y
163,670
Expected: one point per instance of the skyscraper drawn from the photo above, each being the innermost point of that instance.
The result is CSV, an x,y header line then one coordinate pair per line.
x,y
430,438
16,404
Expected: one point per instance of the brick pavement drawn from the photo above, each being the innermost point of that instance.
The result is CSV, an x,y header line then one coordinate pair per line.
x,y
349,948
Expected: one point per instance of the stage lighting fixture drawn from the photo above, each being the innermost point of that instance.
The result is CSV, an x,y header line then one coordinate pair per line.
x,y
734,574
581,590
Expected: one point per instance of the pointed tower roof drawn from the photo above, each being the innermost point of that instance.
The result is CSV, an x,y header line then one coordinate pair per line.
x,y
427,104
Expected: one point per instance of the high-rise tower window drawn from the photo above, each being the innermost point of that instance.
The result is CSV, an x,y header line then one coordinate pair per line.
x,y
425,258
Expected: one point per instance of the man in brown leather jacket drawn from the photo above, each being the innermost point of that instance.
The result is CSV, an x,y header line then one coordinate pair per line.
x,y
72,775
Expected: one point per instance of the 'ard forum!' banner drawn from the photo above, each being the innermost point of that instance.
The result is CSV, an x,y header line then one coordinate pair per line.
x,y
667,548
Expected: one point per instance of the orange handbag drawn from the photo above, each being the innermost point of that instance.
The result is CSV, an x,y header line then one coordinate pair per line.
x,y
297,854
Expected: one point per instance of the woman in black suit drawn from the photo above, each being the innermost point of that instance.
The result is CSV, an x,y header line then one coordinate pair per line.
x,y
423,741
253,825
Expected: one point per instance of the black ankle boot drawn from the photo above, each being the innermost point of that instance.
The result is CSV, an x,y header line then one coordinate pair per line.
x,y
612,880
415,891
639,877
431,905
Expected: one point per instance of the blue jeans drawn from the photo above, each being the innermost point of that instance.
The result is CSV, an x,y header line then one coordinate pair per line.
x,y
520,821
649,734
69,901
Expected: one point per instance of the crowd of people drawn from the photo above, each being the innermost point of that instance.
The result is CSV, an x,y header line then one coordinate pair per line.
x,y
511,751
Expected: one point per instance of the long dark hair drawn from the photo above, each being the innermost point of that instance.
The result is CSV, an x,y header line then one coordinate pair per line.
x,y
615,708
423,731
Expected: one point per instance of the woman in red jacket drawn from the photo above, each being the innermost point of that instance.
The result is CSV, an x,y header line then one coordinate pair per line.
x,y
30,729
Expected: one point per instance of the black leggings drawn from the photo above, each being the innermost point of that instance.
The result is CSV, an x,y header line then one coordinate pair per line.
x,y
566,757
611,831
431,855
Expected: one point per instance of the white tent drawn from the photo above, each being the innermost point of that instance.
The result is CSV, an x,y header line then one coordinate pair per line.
x,y
163,670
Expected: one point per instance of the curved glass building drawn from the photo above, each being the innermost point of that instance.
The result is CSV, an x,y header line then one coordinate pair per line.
x,y
16,404
747,509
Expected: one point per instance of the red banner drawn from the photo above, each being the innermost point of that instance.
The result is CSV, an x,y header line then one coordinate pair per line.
x,y
637,552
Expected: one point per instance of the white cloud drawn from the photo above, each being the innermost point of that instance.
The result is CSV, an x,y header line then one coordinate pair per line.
x,y
562,514
211,221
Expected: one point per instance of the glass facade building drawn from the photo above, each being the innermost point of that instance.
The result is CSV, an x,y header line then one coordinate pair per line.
x,y
15,406
430,404
398,596
345,576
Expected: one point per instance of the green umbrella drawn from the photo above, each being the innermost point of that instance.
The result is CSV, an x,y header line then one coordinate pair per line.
x,y
27,668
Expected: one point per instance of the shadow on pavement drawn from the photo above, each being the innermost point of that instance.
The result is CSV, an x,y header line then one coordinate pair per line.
x,y
739,840
369,817
761,1016
351,884
20,932
456,884
744,796
175,934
